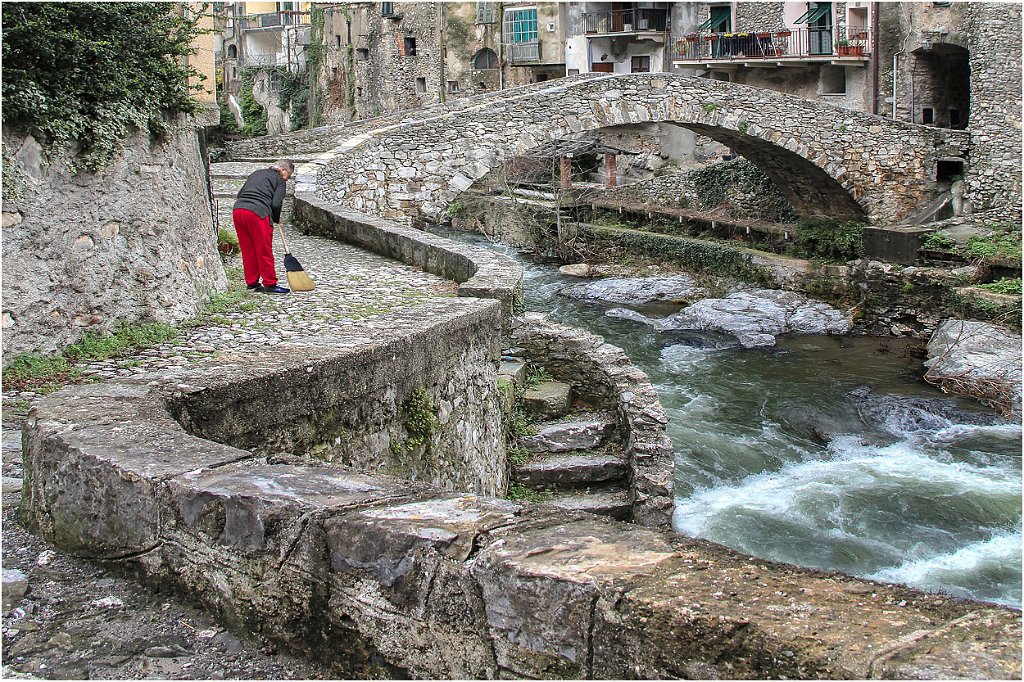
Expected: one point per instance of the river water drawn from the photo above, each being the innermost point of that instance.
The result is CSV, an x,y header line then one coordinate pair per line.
x,y
775,458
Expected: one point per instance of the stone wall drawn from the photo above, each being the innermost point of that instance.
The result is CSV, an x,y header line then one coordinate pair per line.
x,y
590,365
827,159
85,251
480,273
378,577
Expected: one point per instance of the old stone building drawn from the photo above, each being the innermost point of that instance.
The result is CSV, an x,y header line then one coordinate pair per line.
x,y
385,57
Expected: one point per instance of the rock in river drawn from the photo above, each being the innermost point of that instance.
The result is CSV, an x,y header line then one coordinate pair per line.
x,y
635,290
979,360
757,316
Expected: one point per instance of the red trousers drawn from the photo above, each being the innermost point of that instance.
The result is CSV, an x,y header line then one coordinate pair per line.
x,y
256,240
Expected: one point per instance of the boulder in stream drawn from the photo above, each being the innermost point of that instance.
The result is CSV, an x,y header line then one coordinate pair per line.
x,y
635,290
904,416
978,360
757,316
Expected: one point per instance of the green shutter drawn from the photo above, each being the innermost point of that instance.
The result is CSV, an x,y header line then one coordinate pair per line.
x,y
813,15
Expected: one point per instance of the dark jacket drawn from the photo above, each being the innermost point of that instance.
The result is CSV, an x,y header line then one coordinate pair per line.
x,y
263,194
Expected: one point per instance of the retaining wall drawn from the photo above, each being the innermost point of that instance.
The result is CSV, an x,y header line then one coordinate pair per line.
x,y
380,577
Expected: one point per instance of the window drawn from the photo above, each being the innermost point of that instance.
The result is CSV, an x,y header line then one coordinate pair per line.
x,y
337,41
410,46
641,65
334,72
521,25
485,12
232,52
719,21
954,118
949,169
453,87
421,86
359,92
485,59
387,8
362,54
573,72
927,115
275,81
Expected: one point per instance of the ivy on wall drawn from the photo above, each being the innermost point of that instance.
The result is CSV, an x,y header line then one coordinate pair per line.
x,y
254,116
89,73
712,184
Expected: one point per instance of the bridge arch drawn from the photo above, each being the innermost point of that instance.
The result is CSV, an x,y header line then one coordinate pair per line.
x,y
828,160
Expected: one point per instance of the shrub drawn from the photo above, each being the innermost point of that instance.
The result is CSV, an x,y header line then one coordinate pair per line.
x,y
829,240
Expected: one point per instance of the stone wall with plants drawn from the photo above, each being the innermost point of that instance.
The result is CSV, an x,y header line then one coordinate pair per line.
x,y
106,215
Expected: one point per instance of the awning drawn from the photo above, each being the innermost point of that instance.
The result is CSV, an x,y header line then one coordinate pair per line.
x,y
713,23
813,14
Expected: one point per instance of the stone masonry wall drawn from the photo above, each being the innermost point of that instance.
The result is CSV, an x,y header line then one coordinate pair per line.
x,y
380,578
585,360
994,173
827,159
84,252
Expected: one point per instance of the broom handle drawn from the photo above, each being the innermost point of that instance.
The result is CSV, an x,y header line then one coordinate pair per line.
x,y
281,231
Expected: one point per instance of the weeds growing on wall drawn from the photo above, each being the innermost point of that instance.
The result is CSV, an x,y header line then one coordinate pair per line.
x,y
88,74
828,240
419,419
14,179
713,183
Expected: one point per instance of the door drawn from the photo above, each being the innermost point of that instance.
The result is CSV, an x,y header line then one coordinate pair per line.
x,y
820,29
721,22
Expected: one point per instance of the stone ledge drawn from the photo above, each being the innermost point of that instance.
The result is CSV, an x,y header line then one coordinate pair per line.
x,y
353,568
479,272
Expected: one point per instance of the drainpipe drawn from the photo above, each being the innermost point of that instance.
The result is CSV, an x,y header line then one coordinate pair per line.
x,y
874,58
440,41
906,37
499,8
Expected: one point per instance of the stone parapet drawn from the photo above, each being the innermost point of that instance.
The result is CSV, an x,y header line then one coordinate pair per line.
x,y
586,361
379,577
480,273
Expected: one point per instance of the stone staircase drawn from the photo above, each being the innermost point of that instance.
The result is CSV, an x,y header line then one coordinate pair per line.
x,y
573,461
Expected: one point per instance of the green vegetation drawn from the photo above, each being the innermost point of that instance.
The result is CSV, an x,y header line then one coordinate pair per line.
x,y
692,254
1004,286
714,182
709,106
45,373
315,92
829,240
1001,246
536,376
227,241
520,493
87,74
14,179
520,424
937,241
254,116
419,418
518,455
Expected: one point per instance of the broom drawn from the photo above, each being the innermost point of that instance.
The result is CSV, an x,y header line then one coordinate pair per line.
x,y
298,280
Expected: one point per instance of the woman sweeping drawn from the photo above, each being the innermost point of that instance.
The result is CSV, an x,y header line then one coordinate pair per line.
x,y
257,207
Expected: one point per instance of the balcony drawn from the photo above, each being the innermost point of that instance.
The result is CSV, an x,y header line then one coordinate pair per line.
x,y
522,53
273,20
629,21
849,45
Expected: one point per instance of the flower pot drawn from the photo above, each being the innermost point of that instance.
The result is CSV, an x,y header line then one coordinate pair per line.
x,y
844,50
783,34
763,35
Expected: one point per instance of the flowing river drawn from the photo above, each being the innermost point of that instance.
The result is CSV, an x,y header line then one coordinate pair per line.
x,y
775,457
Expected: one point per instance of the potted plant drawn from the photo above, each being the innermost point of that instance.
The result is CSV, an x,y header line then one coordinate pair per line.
x,y
844,47
763,34
692,37
785,33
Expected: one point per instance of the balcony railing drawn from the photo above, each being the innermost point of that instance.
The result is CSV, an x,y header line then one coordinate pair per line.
x,y
274,20
626,21
519,53
803,43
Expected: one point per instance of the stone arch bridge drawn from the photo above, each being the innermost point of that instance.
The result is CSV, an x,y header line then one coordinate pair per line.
x,y
828,160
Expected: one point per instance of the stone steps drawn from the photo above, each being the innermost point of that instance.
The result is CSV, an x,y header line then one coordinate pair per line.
x,y
548,400
608,502
583,432
571,470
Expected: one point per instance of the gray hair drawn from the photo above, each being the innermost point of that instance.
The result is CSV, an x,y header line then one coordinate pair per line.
x,y
282,164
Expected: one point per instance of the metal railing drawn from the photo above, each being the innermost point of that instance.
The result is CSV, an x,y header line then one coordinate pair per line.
x,y
789,43
518,53
626,21
273,20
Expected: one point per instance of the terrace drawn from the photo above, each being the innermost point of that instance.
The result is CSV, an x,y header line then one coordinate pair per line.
x,y
787,47
626,22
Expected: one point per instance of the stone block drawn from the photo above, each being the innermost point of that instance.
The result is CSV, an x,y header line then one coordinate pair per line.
x,y
571,470
548,400
579,434
514,369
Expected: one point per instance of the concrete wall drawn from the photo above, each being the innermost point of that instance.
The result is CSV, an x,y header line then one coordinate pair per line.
x,y
82,252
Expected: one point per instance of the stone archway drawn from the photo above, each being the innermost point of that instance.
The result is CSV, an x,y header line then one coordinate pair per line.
x,y
830,161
